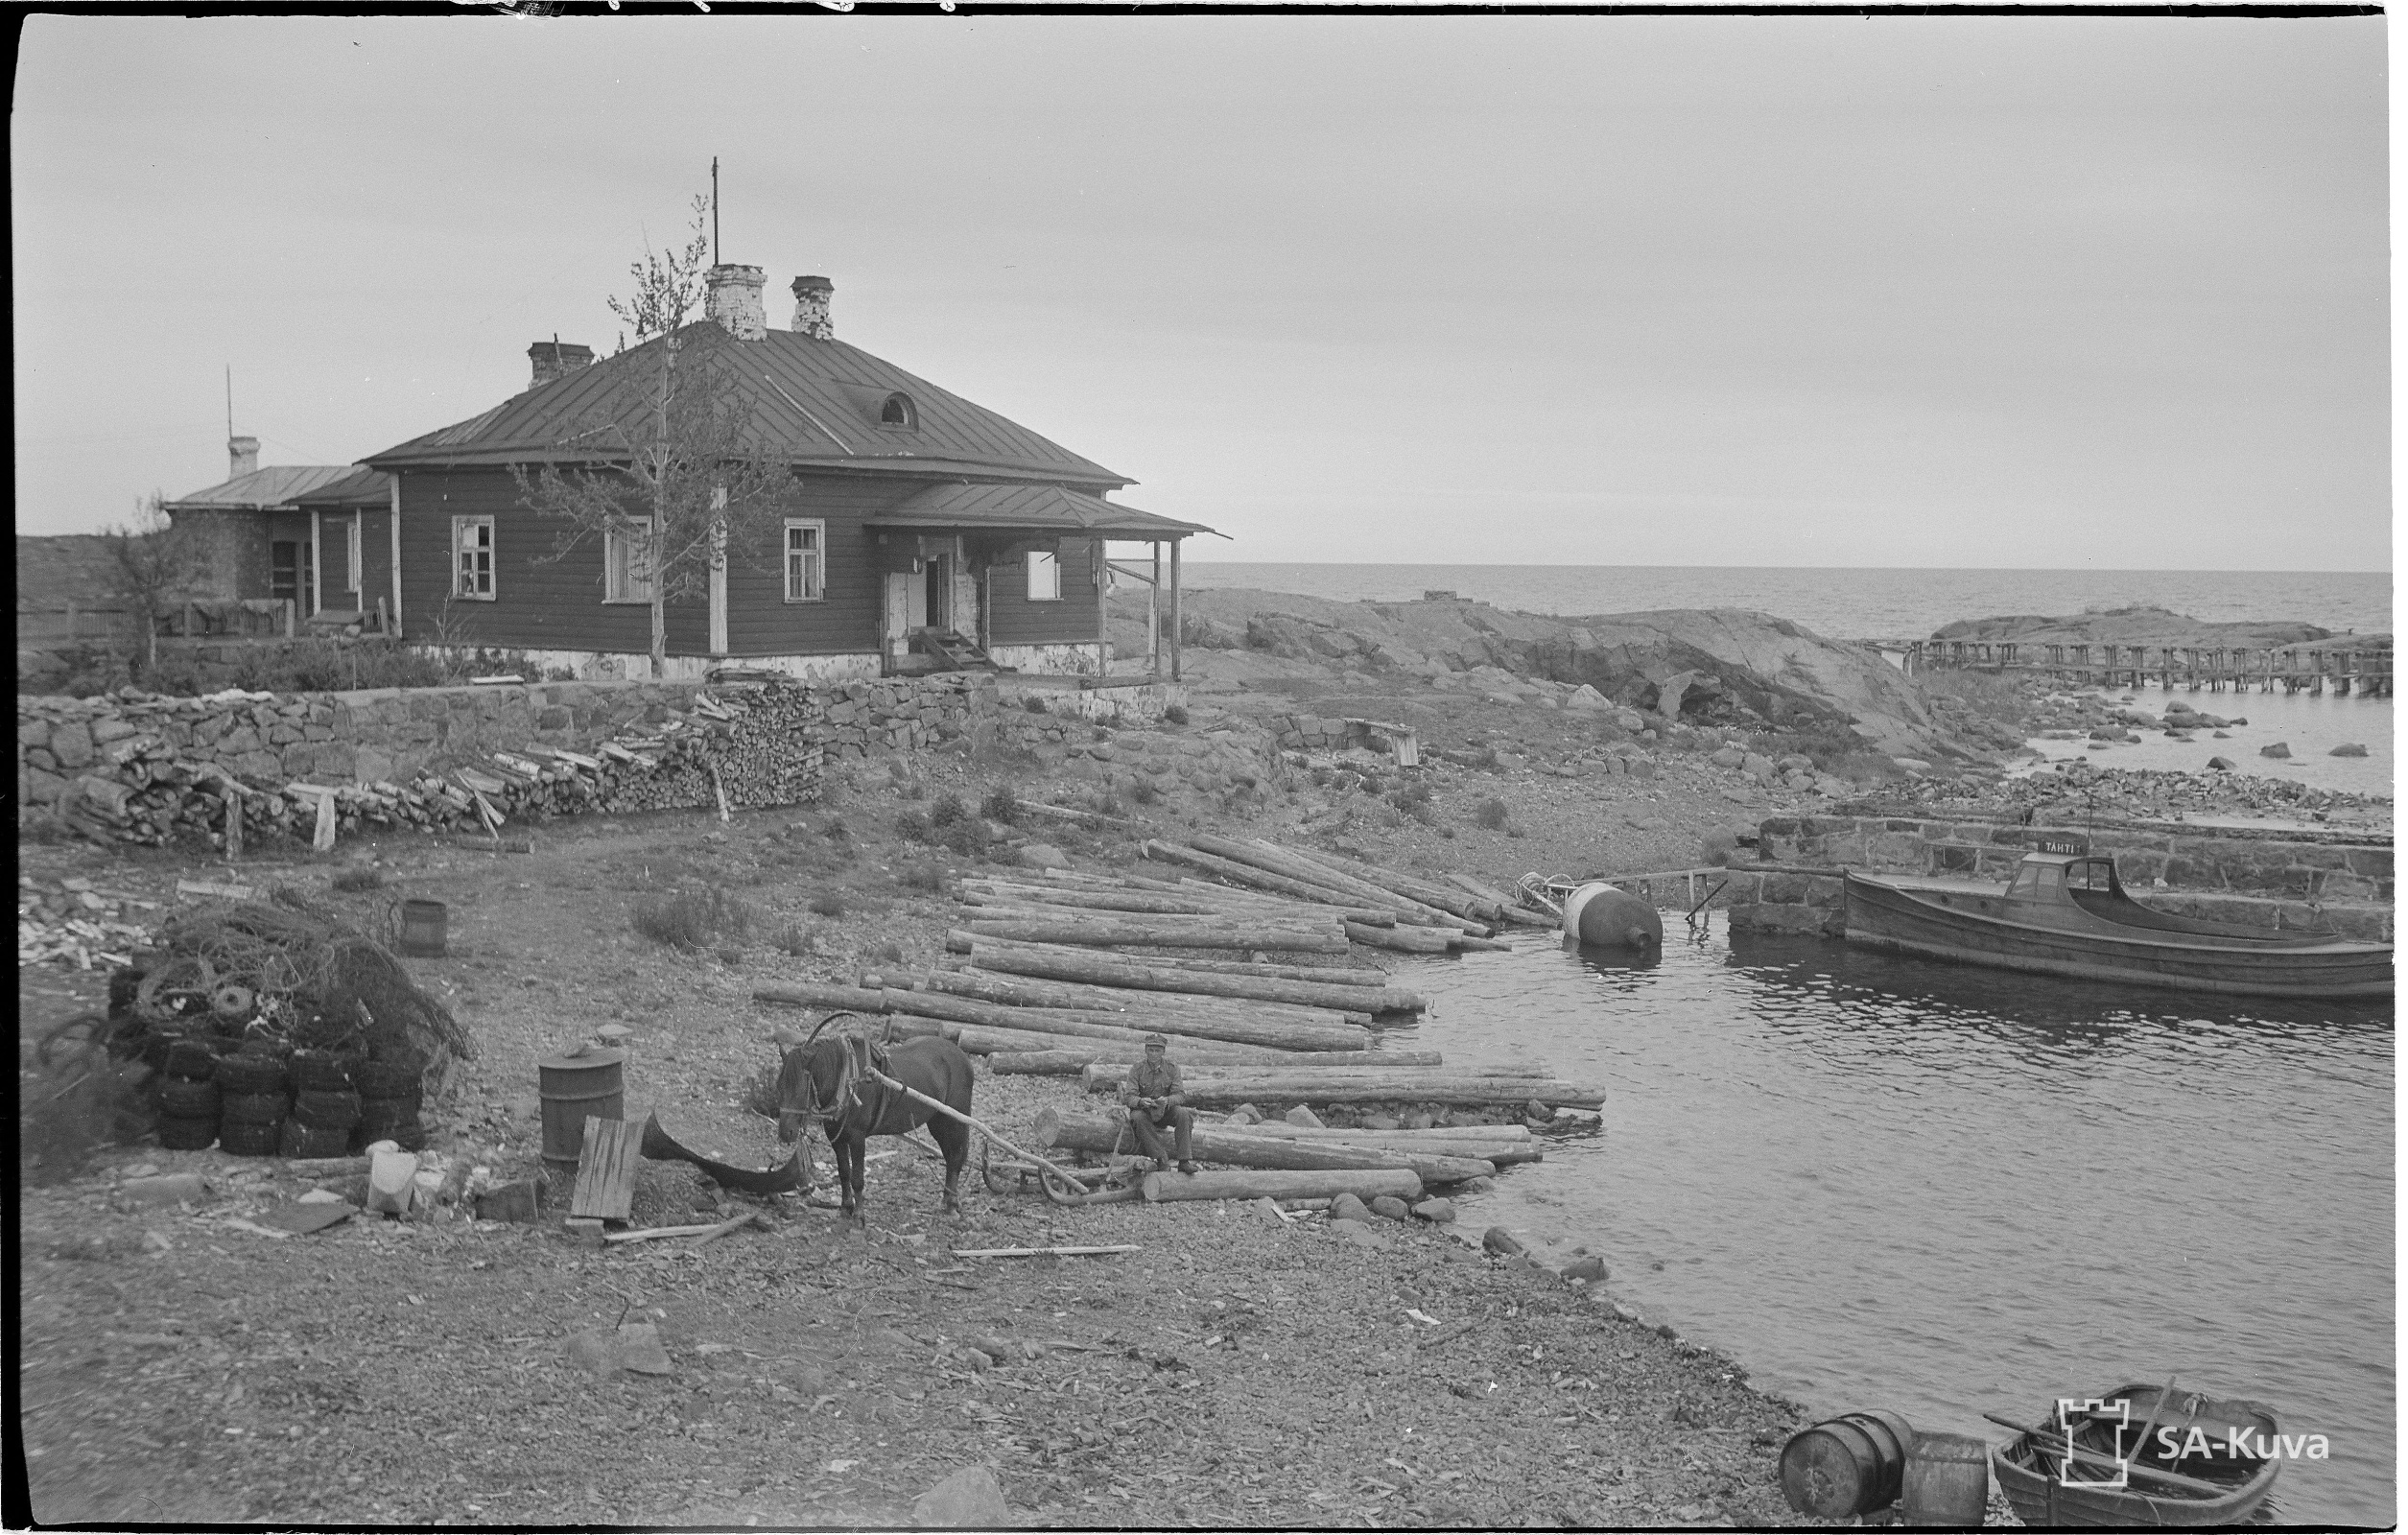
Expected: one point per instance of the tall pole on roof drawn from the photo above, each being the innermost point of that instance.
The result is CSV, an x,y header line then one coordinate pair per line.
x,y
715,210
229,399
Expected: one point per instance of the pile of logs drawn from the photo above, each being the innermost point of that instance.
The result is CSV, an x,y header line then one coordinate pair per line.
x,y
1247,966
753,751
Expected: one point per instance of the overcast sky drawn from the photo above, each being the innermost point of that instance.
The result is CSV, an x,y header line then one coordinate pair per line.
x,y
1824,290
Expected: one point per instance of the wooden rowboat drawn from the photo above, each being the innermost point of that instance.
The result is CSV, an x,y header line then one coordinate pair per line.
x,y
2053,1479
2066,914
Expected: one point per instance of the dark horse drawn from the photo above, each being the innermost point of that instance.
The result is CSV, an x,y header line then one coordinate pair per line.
x,y
832,1083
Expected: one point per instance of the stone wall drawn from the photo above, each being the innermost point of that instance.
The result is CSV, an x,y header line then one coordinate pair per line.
x,y
267,739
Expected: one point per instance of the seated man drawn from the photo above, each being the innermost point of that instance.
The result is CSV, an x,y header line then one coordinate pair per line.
x,y
1153,1098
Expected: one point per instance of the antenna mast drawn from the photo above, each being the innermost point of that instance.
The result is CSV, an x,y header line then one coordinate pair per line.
x,y
715,210
229,399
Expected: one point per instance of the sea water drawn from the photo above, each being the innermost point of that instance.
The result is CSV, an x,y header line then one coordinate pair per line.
x,y
1880,1182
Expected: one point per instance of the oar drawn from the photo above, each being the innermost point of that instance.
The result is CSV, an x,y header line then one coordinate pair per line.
x,y
2073,1451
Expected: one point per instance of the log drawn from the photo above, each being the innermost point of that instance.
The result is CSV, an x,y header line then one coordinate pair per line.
x,y
1503,1153
1075,1058
1327,975
976,1040
1303,867
1428,892
1356,1066
1099,1132
992,892
1167,932
1228,1092
1402,938
1063,1024
1259,1024
1104,971
1366,1184
1046,1252
1519,1133
1260,879
823,994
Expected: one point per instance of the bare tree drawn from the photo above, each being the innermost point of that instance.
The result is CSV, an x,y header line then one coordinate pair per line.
x,y
155,565
687,484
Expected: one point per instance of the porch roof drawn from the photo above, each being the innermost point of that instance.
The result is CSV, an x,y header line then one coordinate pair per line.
x,y
361,489
1030,509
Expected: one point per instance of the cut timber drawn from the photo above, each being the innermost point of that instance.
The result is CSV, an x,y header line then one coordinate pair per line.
x,y
977,1040
1327,975
388,1179
1168,932
605,1170
1260,879
1256,1025
1428,892
1076,1056
1364,1184
1087,817
1046,1252
1437,1132
1404,939
1438,1087
1096,1132
985,892
1301,866
1503,1153
1252,900
1119,971
1060,1027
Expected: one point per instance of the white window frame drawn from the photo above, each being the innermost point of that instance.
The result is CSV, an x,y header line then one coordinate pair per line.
x,y
620,582
1048,562
814,560
465,572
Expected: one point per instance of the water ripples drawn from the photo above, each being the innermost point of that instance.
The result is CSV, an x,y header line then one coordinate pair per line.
x,y
1890,1182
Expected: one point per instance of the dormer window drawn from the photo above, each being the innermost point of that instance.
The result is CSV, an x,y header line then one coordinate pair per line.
x,y
899,411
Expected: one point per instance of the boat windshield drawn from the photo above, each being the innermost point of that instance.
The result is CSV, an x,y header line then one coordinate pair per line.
x,y
2091,873
2033,881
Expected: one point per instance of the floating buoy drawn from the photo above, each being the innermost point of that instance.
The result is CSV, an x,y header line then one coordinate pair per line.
x,y
1610,917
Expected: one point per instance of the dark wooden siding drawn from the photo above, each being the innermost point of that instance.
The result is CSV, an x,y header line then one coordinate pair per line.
x,y
559,606
1078,616
376,559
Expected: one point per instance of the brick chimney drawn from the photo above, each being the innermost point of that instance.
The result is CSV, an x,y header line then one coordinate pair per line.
x,y
242,454
556,358
735,301
811,297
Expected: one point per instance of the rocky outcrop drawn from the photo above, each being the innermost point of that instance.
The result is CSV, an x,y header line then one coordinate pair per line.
x,y
2140,625
1721,665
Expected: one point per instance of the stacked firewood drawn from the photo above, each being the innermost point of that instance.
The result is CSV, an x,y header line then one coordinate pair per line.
x,y
731,751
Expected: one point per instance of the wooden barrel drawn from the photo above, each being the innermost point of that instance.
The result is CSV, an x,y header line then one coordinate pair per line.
x,y
573,1087
1946,1482
422,924
1847,1465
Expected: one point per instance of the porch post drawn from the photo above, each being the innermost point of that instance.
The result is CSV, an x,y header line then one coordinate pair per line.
x,y
1153,616
396,544
317,570
1174,610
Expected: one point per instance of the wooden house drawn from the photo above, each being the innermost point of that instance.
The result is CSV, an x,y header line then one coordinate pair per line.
x,y
315,536
923,531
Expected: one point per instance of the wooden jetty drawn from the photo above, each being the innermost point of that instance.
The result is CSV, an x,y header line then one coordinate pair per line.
x,y
2331,666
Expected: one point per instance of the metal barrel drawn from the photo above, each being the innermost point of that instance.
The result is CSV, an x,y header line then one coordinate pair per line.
x,y
1601,914
1847,1465
1946,1482
422,928
572,1088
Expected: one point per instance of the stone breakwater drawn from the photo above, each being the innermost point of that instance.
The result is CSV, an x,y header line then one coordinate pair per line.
x,y
2248,876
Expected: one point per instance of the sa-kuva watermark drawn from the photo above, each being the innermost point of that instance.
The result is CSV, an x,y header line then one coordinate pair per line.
x,y
2172,1442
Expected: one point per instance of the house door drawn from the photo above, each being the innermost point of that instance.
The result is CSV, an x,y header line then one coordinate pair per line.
x,y
334,543
907,609
938,599
284,570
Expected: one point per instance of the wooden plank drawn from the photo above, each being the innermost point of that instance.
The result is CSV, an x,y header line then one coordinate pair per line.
x,y
605,1170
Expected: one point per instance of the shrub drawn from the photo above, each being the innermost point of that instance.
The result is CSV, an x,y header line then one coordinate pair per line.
x,y
922,877
948,810
827,904
1143,791
1034,705
795,939
1414,800
1491,814
913,827
1001,807
889,952
688,918
358,878
1176,713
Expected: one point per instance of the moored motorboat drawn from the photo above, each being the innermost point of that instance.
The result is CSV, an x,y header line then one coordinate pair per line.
x,y
2065,913
2140,1455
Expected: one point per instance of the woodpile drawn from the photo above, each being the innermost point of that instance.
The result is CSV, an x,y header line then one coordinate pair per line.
x,y
1239,957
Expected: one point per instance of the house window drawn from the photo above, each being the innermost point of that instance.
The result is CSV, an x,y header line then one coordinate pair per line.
x,y
1044,577
624,577
806,560
899,410
472,558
